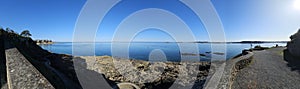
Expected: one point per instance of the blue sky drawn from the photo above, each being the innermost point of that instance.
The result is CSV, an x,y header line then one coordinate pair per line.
x,y
267,20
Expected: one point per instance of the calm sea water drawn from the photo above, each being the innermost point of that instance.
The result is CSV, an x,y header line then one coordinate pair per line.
x,y
142,50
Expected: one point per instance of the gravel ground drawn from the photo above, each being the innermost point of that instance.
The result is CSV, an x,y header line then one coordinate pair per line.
x,y
268,70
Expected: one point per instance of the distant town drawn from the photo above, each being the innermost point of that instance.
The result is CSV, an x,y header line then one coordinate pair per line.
x,y
43,42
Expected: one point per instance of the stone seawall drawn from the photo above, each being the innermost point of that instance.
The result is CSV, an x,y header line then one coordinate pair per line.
x,y
231,68
21,74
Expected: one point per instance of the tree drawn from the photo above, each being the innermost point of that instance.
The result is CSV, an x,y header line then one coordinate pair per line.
x,y
10,30
25,33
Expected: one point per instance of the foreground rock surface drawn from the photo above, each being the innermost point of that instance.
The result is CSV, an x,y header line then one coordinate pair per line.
x,y
149,75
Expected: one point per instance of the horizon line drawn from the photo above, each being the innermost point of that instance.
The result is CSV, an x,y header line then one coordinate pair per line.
x,y
178,41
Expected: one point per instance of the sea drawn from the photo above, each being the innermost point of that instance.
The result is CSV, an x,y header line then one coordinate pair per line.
x,y
142,50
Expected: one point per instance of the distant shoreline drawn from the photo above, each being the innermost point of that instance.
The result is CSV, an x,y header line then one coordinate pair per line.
x,y
204,54
43,42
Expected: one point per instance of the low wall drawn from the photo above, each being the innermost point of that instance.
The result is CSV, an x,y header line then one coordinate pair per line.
x,y
21,74
231,68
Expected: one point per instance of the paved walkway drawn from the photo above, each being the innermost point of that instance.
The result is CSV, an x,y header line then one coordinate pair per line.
x,y
268,70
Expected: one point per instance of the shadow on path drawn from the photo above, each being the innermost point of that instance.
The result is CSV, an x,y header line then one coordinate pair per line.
x,y
3,72
3,79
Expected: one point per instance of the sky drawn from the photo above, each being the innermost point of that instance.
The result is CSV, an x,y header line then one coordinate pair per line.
x,y
265,20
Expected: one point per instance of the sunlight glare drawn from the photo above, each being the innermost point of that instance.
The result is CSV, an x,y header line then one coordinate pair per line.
x,y
297,4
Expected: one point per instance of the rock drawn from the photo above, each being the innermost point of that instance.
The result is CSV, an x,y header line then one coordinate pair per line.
x,y
294,45
245,52
150,74
192,54
218,53
127,86
141,66
202,54
258,47
189,54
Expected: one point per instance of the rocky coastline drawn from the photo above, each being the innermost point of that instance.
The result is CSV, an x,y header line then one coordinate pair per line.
x,y
60,71
160,74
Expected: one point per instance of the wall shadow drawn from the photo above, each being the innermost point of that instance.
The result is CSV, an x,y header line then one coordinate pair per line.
x,y
3,71
90,79
3,79
293,62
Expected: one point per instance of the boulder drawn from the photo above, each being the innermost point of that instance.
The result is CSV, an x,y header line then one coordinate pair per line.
x,y
294,45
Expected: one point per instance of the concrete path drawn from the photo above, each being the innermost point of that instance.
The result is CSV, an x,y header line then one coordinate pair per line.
x,y
268,70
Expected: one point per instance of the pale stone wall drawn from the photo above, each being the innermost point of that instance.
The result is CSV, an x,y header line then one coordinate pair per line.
x,y
231,67
21,74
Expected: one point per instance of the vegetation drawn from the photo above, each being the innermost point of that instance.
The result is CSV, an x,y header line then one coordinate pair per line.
x,y
258,47
25,33
10,30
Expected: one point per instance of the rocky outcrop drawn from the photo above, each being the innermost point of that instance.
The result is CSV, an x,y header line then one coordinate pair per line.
x,y
294,45
149,75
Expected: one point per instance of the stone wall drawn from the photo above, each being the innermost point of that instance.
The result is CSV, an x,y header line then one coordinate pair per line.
x,y
294,45
21,74
231,67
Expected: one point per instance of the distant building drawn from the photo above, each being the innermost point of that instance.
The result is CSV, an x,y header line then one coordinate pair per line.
x,y
44,42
